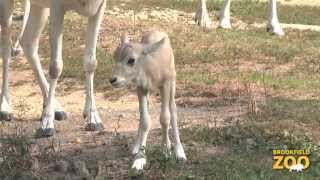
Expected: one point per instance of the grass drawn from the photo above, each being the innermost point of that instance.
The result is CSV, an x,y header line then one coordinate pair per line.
x,y
249,154
16,159
286,68
248,10
224,56
222,48
228,49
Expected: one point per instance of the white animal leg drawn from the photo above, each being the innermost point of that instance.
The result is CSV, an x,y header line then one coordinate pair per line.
x,y
179,151
6,7
56,65
202,17
144,127
224,19
17,49
137,143
90,111
30,43
165,115
273,25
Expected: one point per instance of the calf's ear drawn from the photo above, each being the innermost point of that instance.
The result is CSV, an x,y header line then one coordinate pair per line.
x,y
125,38
154,47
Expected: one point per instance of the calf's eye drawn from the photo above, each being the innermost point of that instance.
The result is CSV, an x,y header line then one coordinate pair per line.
x,y
131,61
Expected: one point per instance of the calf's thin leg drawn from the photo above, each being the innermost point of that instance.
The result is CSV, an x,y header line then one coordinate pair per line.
x,y
90,111
165,114
56,65
273,25
6,7
137,144
179,151
144,127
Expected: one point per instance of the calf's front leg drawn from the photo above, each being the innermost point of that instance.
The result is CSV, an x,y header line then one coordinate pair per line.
x,y
143,131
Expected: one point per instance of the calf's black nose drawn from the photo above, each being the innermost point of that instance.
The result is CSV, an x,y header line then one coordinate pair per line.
x,y
113,80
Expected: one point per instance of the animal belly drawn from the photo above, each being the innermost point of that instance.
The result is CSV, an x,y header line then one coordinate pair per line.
x,y
88,7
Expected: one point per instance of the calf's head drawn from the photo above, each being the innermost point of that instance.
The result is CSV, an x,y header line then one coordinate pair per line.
x,y
130,60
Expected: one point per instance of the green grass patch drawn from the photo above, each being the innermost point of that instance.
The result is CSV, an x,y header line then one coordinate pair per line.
x,y
248,10
248,155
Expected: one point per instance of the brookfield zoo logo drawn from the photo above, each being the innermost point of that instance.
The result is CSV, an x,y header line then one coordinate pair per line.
x,y
292,160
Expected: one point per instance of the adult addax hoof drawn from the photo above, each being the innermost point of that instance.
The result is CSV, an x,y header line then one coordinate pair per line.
x,y
16,52
60,115
5,116
43,133
94,127
275,31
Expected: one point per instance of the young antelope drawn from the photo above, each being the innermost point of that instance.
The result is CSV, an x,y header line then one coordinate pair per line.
x,y
148,65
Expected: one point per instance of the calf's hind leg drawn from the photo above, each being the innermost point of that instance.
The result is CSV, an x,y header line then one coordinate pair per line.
x,y
165,115
179,151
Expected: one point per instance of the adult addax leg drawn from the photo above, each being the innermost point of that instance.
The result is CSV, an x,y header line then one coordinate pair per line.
x,y
224,18
56,65
30,43
90,111
202,17
273,25
17,49
6,7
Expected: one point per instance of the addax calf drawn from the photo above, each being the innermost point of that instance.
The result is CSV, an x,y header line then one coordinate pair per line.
x,y
147,65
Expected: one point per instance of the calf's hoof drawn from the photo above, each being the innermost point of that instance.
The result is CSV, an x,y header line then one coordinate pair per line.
x,y
94,127
6,116
60,115
180,154
43,133
139,164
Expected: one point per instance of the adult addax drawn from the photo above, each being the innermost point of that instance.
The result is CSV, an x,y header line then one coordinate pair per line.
x,y
202,17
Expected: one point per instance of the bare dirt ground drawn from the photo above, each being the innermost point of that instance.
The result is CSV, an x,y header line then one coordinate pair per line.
x,y
108,151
